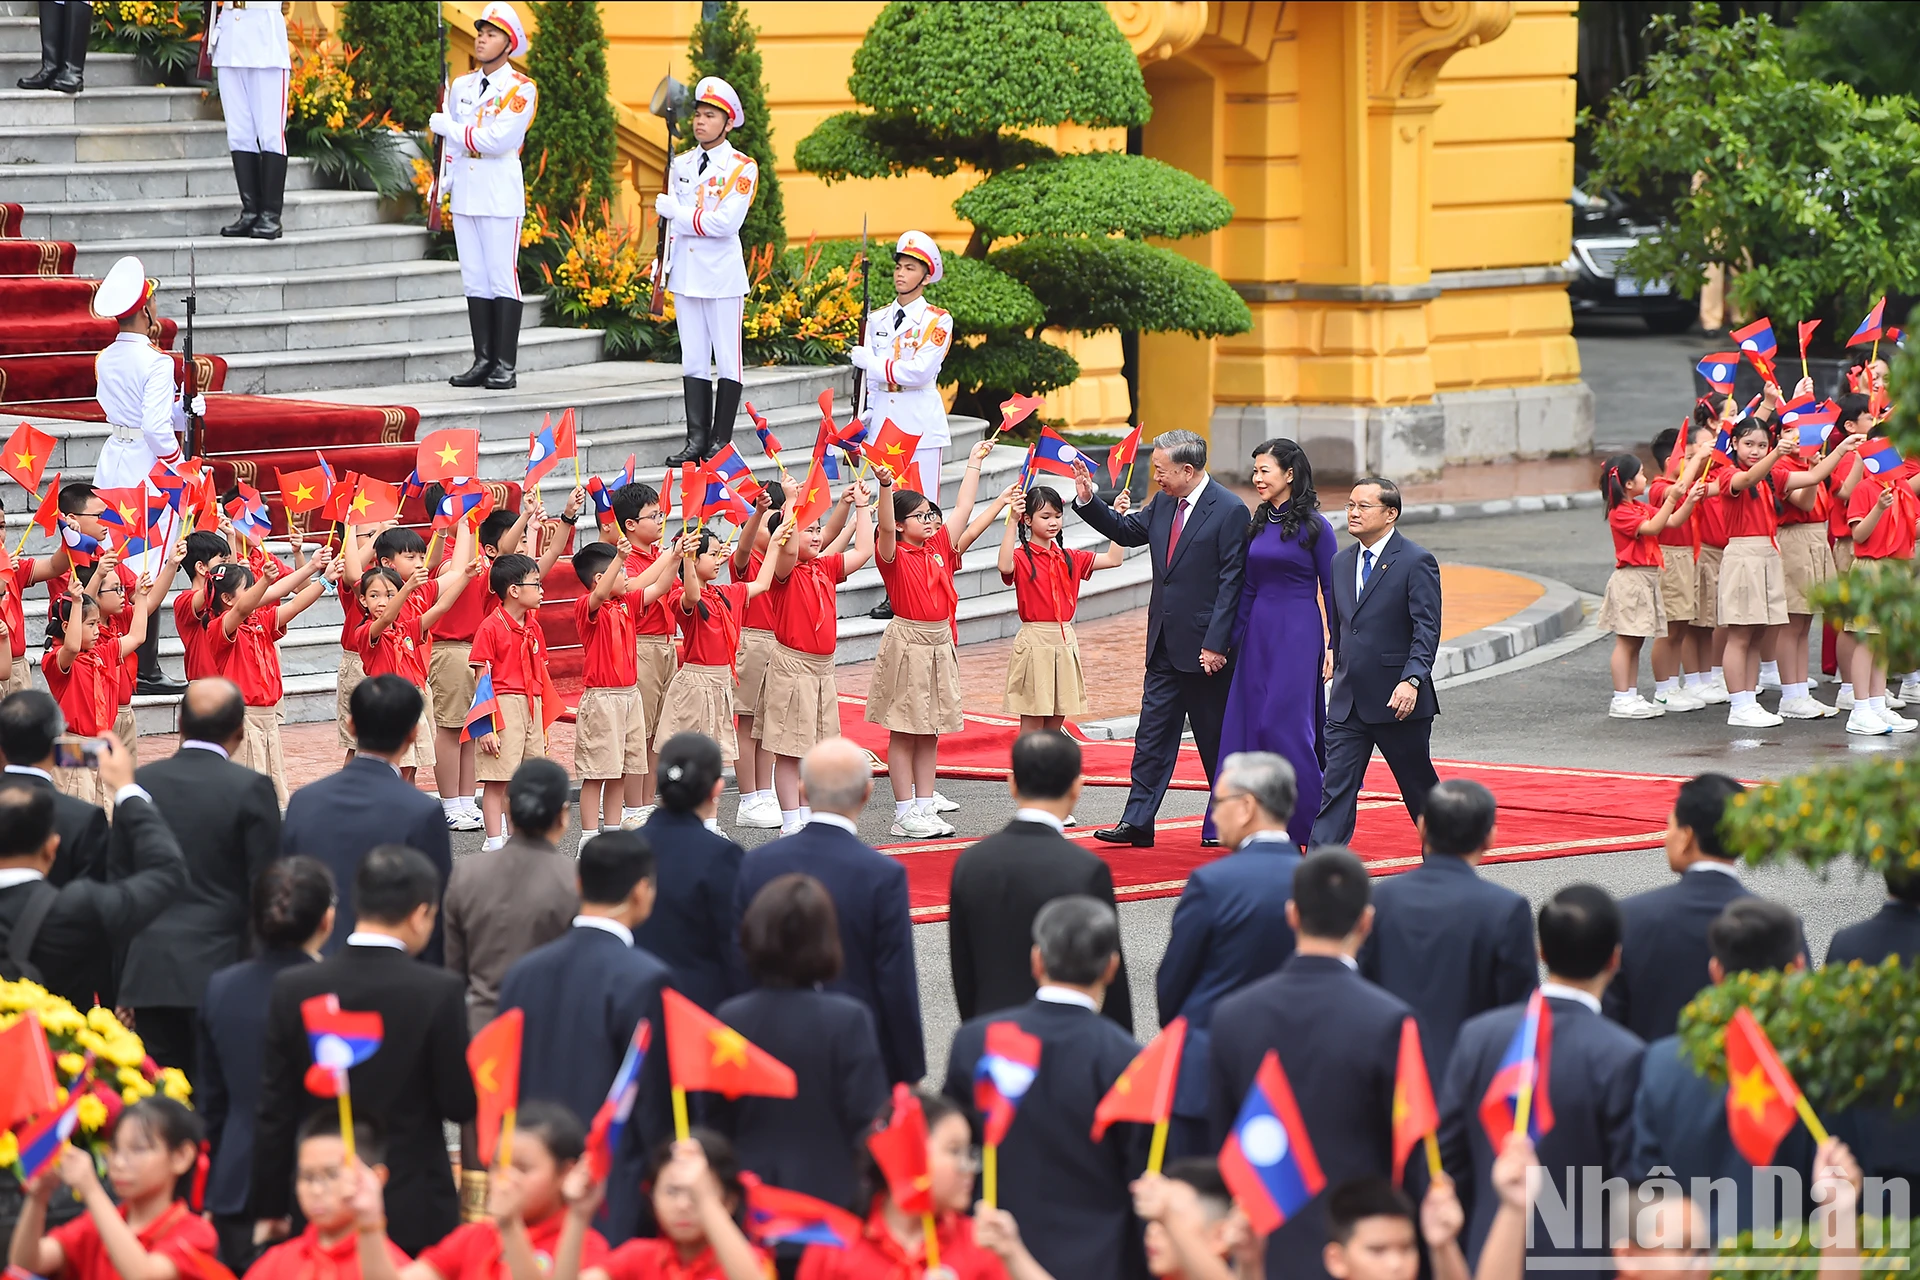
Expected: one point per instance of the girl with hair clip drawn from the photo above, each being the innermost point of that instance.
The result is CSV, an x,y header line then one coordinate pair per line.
x,y
1632,609
147,1229
697,1200
699,698
754,770
242,639
915,690
1753,584
85,665
1045,681
389,630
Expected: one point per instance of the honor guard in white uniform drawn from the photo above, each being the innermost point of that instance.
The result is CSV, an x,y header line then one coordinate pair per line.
x,y
904,346
251,63
485,127
134,381
713,185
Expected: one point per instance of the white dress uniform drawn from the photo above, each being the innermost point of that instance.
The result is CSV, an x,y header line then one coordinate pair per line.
x,y
707,269
480,169
902,351
251,63
133,382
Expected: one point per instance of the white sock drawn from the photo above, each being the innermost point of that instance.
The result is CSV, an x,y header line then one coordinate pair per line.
x,y
806,813
1799,689
1669,685
761,797
1623,695
1846,688
614,827
493,842
452,804
1877,705
1695,680
1743,698
1770,670
790,817
1720,674
900,808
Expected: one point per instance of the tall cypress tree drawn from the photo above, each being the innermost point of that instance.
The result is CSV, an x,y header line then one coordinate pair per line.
x,y
723,45
399,64
572,135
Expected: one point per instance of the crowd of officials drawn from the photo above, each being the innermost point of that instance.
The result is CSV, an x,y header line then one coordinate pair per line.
x,y
206,918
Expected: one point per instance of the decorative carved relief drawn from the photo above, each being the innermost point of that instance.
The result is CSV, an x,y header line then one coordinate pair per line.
x,y
1159,29
1410,40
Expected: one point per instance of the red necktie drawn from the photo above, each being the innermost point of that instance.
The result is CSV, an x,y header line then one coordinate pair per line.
x,y
1179,523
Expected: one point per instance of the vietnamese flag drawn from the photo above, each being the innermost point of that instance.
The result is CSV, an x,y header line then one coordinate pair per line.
x,y
692,491
705,1053
126,508
27,454
1762,1099
1806,336
448,454
1144,1092
1415,1115
494,1058
813,497
892,448
28,1085
373,501
306,490
1121,456
900,1149
1017,410
47,515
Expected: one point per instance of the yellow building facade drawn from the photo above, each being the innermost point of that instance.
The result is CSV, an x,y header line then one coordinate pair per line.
x,y
1399,171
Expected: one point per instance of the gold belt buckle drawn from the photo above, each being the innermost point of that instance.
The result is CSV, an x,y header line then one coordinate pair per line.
x,y
894,387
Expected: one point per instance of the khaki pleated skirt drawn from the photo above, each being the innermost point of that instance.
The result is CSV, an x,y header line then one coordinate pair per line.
x,y
1632,605
260,748
19,676
699,700
756,646
128,732
654,663
348,679
1807,560
1753,585
916,679
1678,583
1862,568
1706,587
800,704
1044,677
83,784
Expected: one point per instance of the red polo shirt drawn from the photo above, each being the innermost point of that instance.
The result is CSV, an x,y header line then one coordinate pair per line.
x,y
920,579
606,637
515,651
803,614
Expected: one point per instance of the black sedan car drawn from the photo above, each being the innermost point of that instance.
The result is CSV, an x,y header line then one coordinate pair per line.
x,y
1603,230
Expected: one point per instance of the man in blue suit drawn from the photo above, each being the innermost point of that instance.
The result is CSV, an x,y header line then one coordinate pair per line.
x,y
1338,1039
869,892
1386,631
1894,930
1593,1070
1197,533
582,995
1447,942
340,817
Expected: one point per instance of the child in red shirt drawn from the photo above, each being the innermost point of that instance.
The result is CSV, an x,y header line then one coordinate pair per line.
x,y
699,699
85,667
389,636
1806,557
610,740
511,643
1753,583
697,1198
1882,513
324,1183
117,606
242,642
915,689
636,509
206,552
1632,608
151,1232
1045,683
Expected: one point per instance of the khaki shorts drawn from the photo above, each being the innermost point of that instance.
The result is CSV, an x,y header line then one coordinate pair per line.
x,y
916,679
1807,561
1843,555
1044,677
700,700
1677,583
1753,586
1632,604
420,754
450,683
20,677
521,738
800,705
260,748
654,664
349,678
128,733
82,784
609,734
755,648
1706,590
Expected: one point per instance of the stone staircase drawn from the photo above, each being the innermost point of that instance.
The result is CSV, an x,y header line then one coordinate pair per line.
x,y
347,307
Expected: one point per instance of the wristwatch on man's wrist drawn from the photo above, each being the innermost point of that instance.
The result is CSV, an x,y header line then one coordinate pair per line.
x,y
1416,681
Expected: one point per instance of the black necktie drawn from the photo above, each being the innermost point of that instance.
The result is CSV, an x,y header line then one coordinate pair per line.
x,y
899,317
704,157
483,86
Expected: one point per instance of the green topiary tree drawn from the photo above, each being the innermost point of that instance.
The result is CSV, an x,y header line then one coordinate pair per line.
x,y
951,85
398,67
723,45
569,156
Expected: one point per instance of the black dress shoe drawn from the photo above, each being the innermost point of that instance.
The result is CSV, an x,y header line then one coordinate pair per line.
x,y
1126,833
1208,842
163,686
882,610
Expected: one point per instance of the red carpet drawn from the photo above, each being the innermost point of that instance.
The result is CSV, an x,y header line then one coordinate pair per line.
x,y
30,257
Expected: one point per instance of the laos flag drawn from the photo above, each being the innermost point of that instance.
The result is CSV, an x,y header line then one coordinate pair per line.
x,y
1002,1077
603,1138
1718,369
1519,1085
339,1039
41,1141
547,446
1869,330
1880,457
778,1216
731,470
1813,421
1054,455
1268,1161
483,717
1757,338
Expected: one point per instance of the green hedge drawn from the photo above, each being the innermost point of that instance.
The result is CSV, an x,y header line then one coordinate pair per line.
x,y
398,67
569,155
725,47
1092,284
1009,360
980,299
1096,194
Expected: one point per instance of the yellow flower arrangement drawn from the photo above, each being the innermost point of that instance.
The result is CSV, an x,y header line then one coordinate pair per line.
x,y
320,86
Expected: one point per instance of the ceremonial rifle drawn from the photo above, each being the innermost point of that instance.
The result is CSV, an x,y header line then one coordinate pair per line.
x,y
204,71
668,96
435,222
866,309
190,382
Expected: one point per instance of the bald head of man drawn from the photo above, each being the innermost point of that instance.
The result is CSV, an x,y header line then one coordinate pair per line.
x,y
213,711
836,777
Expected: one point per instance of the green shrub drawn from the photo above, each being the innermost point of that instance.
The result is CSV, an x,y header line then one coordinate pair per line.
x,y
398,68
1097,194
725,47
1099,283
569,155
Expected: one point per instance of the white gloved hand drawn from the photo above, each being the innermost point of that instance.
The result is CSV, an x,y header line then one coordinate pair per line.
x,y
861,357
441,123
667,206
199,407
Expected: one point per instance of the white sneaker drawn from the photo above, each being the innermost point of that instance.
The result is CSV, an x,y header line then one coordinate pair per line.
x,y
1900,724
1768,682
943,805
1679,700
914,825
1807,708
1710,693
1894,703
789,829
492,843
1634,708
761,814
1751,716
1843,701
1910,689
464,818
1071,821
634,819
1862,721
940,824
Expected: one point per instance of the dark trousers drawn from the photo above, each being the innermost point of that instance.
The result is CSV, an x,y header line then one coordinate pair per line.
x,y
168,1033
1168,700
237,1248
1403,745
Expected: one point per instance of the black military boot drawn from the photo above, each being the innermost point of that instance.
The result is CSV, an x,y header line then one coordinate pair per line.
x,y
272,195
480,321
699,421
152,679
52,40
506,343
246,176
73,52
726,406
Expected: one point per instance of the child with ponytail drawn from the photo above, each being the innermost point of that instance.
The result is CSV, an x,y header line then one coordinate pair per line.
x,y
1045,682
1632,609
699,697
1753,583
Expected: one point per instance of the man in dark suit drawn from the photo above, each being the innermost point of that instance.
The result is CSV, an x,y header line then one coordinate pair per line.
x,y
1230,926
29,722
64,938
227,820
582,995
1894,930
869,892
1076,1214
1386,631
1196,534
415,1081
1664,950
1000,884
1447,942
1338,1038
1593,1070
1680,1116
368,803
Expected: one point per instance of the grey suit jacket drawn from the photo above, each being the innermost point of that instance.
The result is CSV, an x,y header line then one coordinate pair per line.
x,y
502,903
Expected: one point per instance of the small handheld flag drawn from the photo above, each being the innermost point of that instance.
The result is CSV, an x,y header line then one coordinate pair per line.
x,y
722,501
493,1056
1268,1161
1516,1099
1054,455
603,1139
339,1040
1757,337
1813,421
41,1141
81,549
813,498
769,443
1017,410
28,1085
1880,457
457,502
691,493
305,490
47,514
483,717
452,453
373,501
778,1216
1762,1098
900,1149
27,454
1120,457
1806,337
1718,369
730,469
549,445
893,448
705,1053
1143,1093
1870,328
602,498
1000,1080
1415,1115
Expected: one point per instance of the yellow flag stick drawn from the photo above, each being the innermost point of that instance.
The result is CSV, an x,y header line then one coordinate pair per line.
x,y
1812,1121
933,1240
346,1119
1157,1153
989,1173
1433,1155
680,1126
506,1137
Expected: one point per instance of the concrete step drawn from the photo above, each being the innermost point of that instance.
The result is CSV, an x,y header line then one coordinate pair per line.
x,y
296,251
209,178
99,104
85,143
368,285
431,320
103,70
331,368
314,209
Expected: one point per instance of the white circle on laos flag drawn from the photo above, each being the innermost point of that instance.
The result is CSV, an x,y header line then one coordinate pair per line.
x,y
1263,1140
332,1052
1069,454
1719,373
